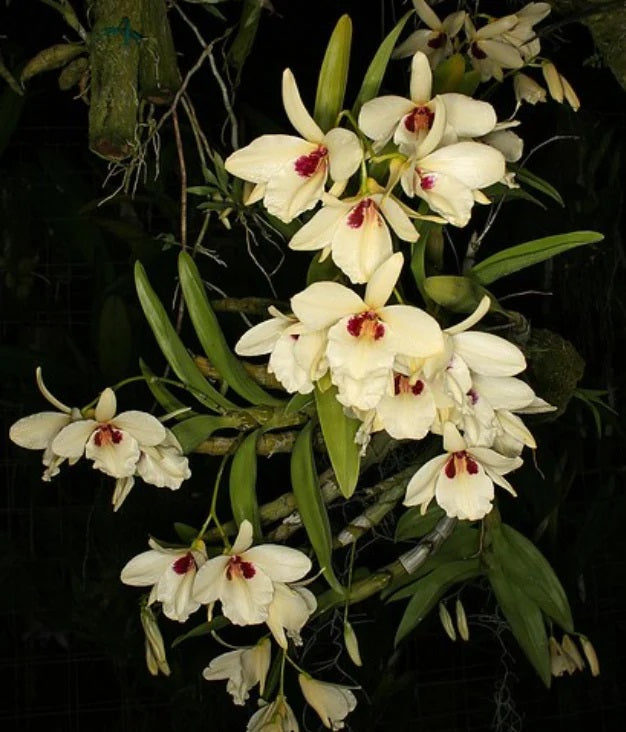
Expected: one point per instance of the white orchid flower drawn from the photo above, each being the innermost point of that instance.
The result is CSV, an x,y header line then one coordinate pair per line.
x,y
38,431
297,356
527,90
332,702
489,51
450,178
506,142
171,572
408,413
365,335
164,464
112,442
289,611
462,480
243,578
522,35
436,43
420,124
243,669
290,172
275,717
355,229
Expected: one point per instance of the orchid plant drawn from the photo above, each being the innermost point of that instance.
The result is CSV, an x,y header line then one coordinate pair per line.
x,y
377,350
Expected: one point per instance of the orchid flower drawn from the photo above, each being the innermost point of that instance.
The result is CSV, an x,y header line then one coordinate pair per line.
x,y
242,669
356,232
450,178
297,356
332,702
420,124
462,480
436,43
364,334
522,35
289,611
527,90
489,51
171,572
243,577
290,172
112,441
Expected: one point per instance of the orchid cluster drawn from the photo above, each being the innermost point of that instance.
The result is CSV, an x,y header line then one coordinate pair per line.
x,y
362,192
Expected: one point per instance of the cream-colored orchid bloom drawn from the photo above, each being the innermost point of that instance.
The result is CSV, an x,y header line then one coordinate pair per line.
x,y
244,577
112,441
290,172
296,355
243,669
289,611
355,229
332,702
523,35
364,334
462,480
171,572
420,124
436,42
450,178
489,51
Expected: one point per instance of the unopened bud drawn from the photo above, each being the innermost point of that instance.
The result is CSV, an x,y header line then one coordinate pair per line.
x,y
568,645
461,620
527,90
553,80
590,655
155,650
446,621
352,644
570,95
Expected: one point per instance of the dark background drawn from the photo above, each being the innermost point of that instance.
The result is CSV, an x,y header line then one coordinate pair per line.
x,y
71,648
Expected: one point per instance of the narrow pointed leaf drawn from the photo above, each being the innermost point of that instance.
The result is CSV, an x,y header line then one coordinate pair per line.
x,y
298,402
525,620
412,524
172,347
212,339
246,33
339,434
306,491
242,484
376,70
331,83
430,589
217,623
527,567
539,184
187,534
195,430
524,255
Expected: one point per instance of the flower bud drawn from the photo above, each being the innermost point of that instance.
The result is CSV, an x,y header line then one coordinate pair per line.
x,y
332,702
568,645
446,621
553,80
352,644
155,650
461,620
590,655
527,90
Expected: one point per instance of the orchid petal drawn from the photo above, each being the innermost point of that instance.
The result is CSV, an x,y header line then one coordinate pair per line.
x,y
322,304
265,156
489,354
383,280
117,459
421,487
37,431
145,428
379,117
296,111
318,231
344,153
412,332
421,79
71,440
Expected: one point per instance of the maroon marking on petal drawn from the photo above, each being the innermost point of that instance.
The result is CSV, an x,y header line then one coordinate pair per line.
x,y
379,331
183,564
358,213
397,383
366,324
427,182
477,51
295,336
472,465
473,396
238,568
105,435
438,41
354,326
450,469
307,165
418,387
421,118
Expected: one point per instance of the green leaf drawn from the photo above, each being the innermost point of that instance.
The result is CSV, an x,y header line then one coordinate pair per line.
x,y
524,255
172,347
195,430
212,339
539,184
217,623
163,395
333,76
457,294
246,33
430,589
242,484
339,434
524,617
448,75
412,524
187,534
376,70
306,491
525,565
299,402
469,83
